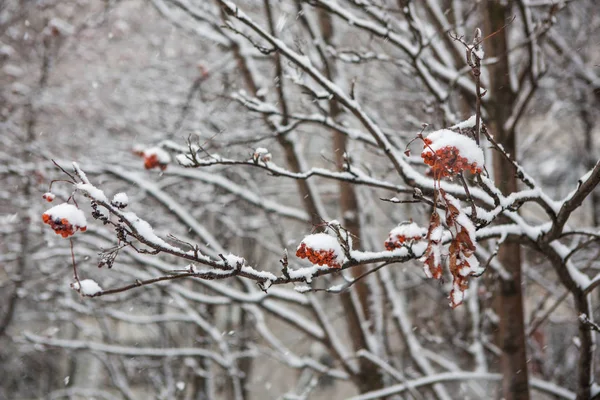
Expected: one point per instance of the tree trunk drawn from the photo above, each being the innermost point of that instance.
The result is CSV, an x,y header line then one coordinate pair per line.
x,y
369,377
511,338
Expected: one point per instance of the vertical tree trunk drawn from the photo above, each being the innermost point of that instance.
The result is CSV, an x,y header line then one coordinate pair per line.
x,y
369,378
510,297
590,159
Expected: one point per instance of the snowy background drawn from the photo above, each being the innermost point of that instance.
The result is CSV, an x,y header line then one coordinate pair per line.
x,y
97,81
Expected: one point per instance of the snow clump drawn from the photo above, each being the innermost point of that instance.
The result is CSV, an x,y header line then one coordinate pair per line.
x,y
87,287
65,219
261,154
450,153
120,200
404,234
321,249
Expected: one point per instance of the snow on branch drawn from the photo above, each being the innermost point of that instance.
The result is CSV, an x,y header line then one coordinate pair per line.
x,y
129,225
539,385
354,175
125,350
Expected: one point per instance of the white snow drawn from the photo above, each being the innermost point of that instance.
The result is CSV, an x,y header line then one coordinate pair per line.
x,y
410,230
418,248
80,172
302,288
234,260
138,148
437,234
362,256
184,160
12,71
323,241
262,92
145,231
462,219
580,182
87,287
262,154
48,196
595,389
436,249
336,288
74,215
120,200
307,273
267,276
457,295
466,146
92,191
473,264
465,222
161,156
281,22
581,279
469,123
61,26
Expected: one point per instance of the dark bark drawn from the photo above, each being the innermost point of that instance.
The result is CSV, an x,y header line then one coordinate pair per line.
x,y
511,337
585,334
586,114
369,378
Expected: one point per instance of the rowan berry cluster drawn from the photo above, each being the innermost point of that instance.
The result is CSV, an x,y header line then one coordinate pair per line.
x,y
447,161
154,157
403,235
49,197
65,219
62,226
151,161
450,153
261,154
320,257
